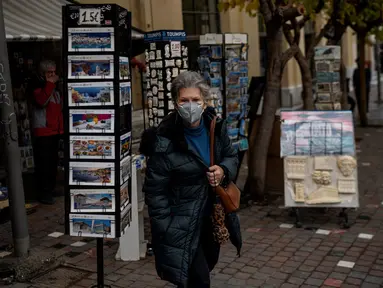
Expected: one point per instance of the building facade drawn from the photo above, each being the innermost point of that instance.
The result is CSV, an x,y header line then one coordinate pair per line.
x,y
199,17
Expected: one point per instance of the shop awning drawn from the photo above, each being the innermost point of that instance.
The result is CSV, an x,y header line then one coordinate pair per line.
x,y
37,20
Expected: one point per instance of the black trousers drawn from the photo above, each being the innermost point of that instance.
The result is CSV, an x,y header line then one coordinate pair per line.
x,y
205,259
46,160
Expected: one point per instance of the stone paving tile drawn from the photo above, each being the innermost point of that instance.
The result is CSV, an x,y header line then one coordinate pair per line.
x,y
272,256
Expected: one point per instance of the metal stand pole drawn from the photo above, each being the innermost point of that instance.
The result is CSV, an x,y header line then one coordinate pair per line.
x,y
100,265
8,131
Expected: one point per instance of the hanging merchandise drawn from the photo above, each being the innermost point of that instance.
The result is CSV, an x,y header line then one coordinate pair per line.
x,y
166,57
98,122
223,64
327,65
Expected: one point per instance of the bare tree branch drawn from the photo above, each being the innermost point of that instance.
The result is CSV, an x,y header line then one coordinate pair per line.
x,y
297,31
267,13
316,39
287,55
287,32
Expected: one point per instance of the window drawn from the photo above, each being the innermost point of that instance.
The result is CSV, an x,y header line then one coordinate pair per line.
x,y
200,16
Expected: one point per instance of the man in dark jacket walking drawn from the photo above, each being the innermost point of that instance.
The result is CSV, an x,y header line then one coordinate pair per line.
x,y
47,127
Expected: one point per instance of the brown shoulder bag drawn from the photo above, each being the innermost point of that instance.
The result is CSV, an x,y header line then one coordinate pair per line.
x,y
229,195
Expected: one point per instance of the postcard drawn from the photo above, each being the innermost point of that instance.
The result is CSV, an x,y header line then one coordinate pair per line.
x,y
243,144
205,51
124,195
327,52
91,173
125,94
91,147
233,105
244,82
91,121
126,218
125,144
215,67
124,68
98,226
323,66
317,133
232,65
89,201
216,82
90,67
323,87
90,94
125,169
90,39
323,97
216,52
233,51
243,66
233,78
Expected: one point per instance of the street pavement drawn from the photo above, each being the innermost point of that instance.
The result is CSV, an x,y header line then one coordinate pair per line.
x,y
275,253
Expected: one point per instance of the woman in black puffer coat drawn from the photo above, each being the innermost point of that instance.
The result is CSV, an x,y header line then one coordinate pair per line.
x,y
178,184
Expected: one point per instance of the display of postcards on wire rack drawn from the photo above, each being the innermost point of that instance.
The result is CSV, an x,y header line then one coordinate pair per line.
x,y
125,144
98,90
91,39
90,67
124,195
90,94
317,133
97,226
92,147
125,93
126,216
327,63
91,173
93,201
125,169
210,65
91,121
236,84
166,57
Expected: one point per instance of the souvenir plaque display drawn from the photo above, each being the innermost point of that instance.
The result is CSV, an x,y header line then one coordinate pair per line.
x,y
97,46
166,57
320,167
327,65
223,64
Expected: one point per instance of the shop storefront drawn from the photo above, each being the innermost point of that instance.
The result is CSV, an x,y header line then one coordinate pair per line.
x,y
34,32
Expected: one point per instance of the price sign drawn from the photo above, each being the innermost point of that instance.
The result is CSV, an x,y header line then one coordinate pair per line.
x,y
90,16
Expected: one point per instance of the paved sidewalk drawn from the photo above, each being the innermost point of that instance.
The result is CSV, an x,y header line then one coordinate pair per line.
x,y
275,254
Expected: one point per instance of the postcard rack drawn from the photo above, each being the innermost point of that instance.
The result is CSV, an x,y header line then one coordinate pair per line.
x,y
320,168
165,57
98,123
223,63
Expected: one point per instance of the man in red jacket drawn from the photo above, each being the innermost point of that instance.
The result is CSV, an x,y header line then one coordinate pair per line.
x,y
47,127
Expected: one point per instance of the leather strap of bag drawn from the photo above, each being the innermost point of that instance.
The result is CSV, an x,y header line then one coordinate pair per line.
x,y
212,128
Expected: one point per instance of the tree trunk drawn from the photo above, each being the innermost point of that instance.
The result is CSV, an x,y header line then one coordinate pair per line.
x,y
362,80
271,102
307,81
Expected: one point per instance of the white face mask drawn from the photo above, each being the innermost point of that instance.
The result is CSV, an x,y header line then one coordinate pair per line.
x,y
190,112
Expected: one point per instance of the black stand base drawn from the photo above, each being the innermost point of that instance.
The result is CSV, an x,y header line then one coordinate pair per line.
x,y
344,214
298,222
100,265
296,213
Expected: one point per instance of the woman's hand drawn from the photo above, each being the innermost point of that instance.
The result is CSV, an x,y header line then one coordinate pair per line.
x,y
215,175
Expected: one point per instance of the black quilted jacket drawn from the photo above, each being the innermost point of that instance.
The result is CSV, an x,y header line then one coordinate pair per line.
x,y
176,192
